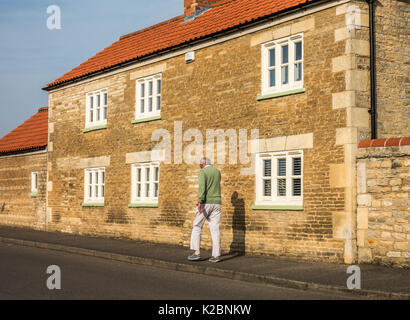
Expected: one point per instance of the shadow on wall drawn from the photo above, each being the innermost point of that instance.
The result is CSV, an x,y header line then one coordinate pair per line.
x,y
238,225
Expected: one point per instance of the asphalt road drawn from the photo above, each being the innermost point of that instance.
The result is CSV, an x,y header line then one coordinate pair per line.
x,y
23,276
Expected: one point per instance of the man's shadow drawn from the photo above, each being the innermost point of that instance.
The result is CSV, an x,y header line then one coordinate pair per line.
x,y
237,247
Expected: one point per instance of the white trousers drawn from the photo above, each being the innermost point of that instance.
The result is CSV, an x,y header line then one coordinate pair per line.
x,y
212,213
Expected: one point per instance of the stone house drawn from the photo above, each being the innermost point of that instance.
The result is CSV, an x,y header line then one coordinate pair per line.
x,y
278,93
23,173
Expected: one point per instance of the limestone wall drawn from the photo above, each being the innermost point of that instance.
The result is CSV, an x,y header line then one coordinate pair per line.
x,y
383,213
18,207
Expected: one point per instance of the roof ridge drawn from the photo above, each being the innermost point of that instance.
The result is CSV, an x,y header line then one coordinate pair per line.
x,y
151,27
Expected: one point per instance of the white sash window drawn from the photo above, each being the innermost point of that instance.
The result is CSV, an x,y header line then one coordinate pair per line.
x,y
282,64
145,183
279,178
96,108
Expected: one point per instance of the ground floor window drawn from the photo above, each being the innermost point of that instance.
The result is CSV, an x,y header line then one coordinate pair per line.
x,y
145,183
279,178
34,182
94,185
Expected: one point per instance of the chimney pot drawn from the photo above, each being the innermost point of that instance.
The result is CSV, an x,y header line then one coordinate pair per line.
x,y
191,6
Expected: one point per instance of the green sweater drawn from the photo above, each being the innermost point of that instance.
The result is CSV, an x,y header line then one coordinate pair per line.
x,y
209,185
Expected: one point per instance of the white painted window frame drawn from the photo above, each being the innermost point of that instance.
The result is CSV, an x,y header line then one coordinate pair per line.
x,y
274,199
139,97
97,185
34,182
100,112
277,45
143,198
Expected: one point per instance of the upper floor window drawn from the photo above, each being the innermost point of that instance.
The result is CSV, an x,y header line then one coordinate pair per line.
x,y
145,183
94,185
279,178
96,108
148,97
282,64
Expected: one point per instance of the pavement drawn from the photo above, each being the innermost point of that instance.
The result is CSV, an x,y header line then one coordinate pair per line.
x,y
377,282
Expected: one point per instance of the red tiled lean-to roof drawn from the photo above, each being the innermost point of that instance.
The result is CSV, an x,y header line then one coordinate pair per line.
x,y
223,16
32,134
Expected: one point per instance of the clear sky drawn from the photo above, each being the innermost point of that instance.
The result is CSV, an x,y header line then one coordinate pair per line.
x,y
31,55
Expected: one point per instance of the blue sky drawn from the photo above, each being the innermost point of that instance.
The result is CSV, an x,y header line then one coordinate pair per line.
x,y
31,55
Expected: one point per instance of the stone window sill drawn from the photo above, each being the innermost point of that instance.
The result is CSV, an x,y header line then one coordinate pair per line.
x,y
92,204
277,207
33,195
143,205
280,94
102,127
146,119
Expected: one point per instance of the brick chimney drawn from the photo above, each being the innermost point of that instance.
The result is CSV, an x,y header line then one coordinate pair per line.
x,y
191,6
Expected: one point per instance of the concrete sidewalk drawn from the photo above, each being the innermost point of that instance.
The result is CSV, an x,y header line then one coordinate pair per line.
x,y
376,281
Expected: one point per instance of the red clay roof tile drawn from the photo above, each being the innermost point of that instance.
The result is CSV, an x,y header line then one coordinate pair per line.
x,y
388,142
30,135
175,32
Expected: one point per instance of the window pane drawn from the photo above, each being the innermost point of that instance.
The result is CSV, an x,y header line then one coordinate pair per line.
x,y
298,71
156,173
150,88
102,191
150,104
138,190
105,99
102,177
91,102
285,54
147,189
297,167
142,90
105,113
296,188
285,76
142,105
281,167
267,168
158,102
272,78
267,188
98,100
298,51
158,86
139,174
281,187
98,114
272,58
155,189
147,177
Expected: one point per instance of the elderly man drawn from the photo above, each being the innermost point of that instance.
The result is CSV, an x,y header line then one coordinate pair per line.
x,y
209,208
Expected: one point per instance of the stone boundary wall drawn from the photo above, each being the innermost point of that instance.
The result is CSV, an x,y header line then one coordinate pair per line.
x,y
383,213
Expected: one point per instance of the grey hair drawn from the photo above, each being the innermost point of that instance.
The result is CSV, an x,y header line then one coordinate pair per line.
x,y
205,161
